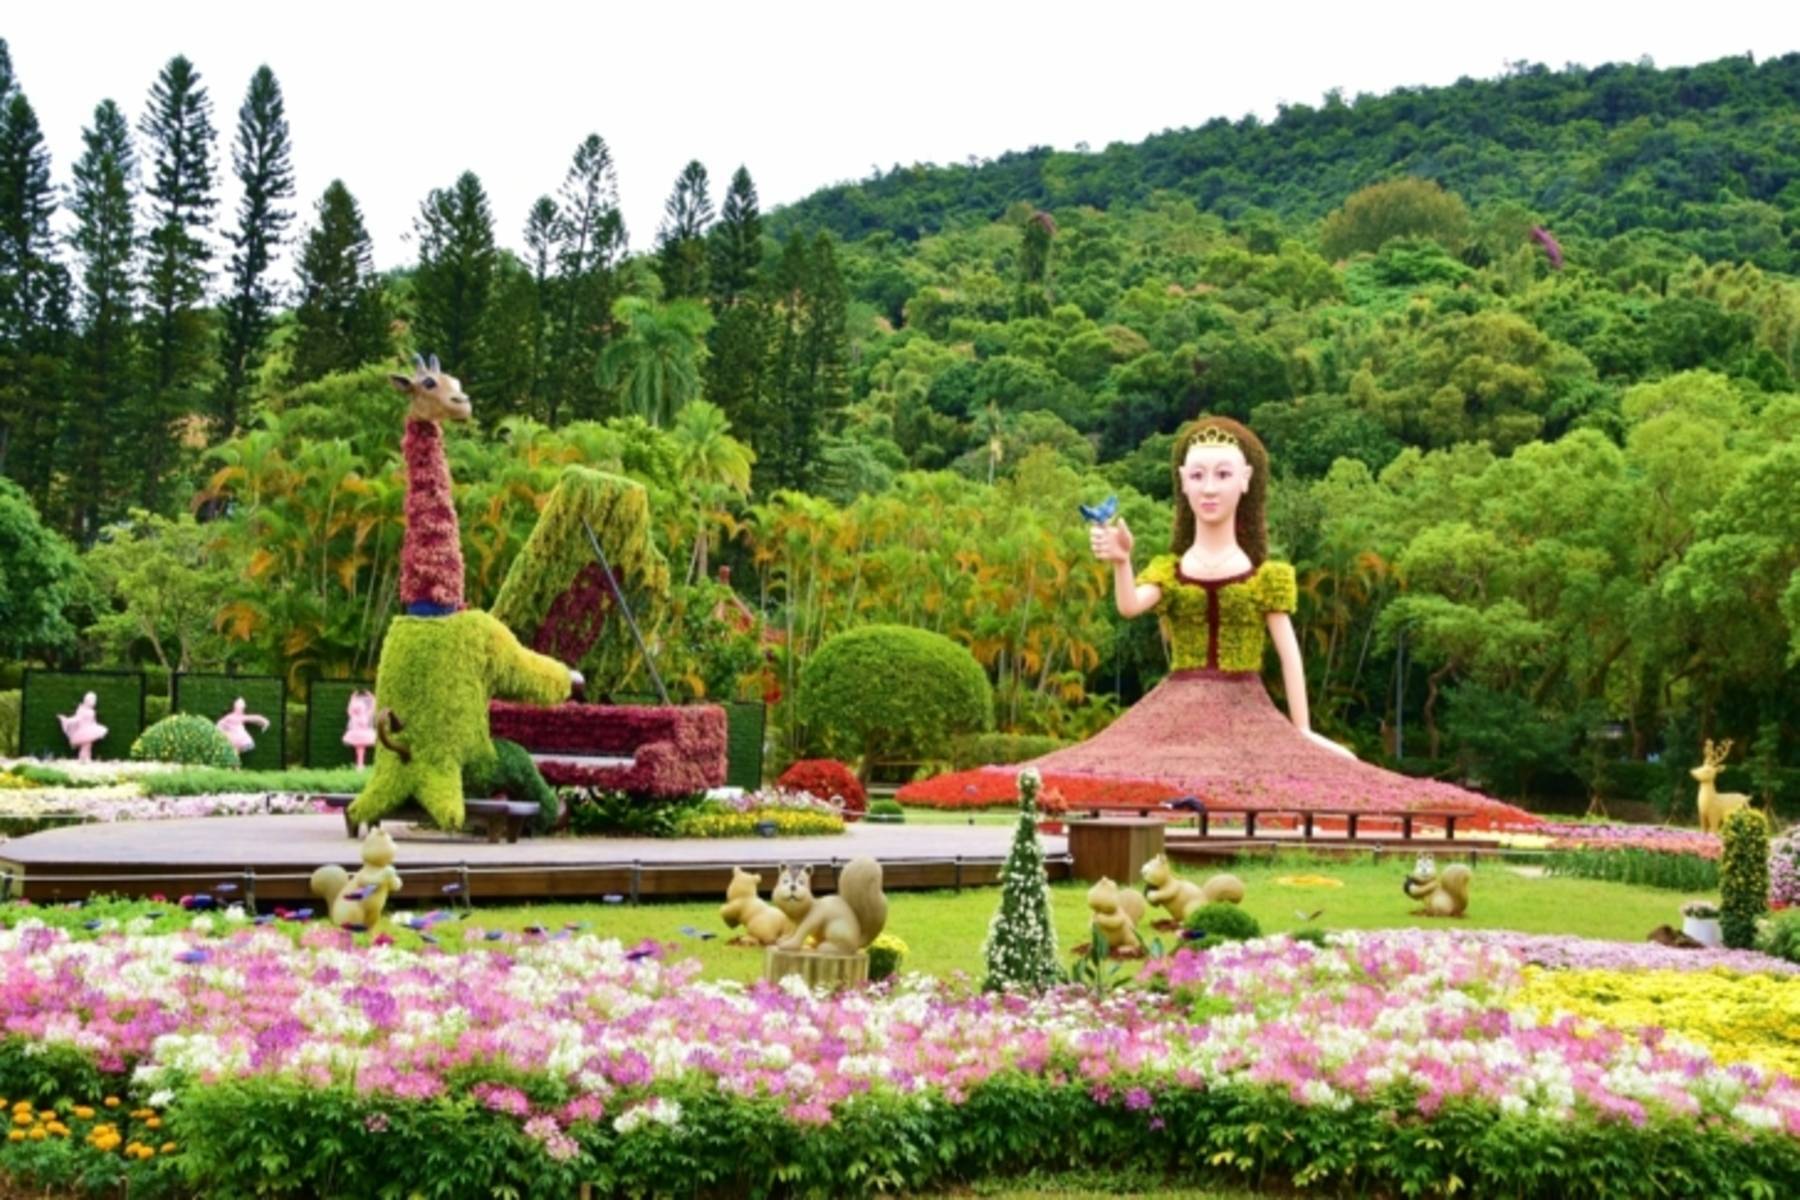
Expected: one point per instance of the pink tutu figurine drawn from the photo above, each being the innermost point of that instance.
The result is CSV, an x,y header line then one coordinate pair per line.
x,y
82,729
359,733
232,726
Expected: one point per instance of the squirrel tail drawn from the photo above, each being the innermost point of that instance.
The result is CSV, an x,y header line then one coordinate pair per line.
x,y
859,883
328,882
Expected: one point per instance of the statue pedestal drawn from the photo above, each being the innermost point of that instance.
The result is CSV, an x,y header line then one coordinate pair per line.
x,y
819,968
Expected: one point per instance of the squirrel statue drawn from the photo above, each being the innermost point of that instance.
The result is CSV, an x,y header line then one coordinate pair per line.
x,y
1445,893
358,899
1182,896
1117,912
764,922
844,923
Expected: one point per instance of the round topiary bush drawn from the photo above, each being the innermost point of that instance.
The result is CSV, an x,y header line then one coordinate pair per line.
x,y
887,811
892,693
185,738
829,780
1211,924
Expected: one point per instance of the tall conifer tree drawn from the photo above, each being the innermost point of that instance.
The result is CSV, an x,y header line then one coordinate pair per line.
x,y
590,239
541,225
260,158
681,242
103,202
33,299
179,131
734,245
454,286
341,321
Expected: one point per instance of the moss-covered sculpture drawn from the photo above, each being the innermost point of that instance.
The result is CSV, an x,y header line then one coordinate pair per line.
x,y
432,689
555,594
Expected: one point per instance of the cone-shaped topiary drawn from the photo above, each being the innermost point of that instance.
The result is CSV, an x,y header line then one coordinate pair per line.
x,y
1743,877
1020,950
185,738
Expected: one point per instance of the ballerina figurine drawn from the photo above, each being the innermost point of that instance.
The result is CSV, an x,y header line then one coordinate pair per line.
x,y
82,729
359,730
232,726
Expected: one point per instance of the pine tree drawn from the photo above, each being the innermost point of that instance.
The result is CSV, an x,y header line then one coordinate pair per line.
x,y
681,242
590,239
807,376
1020,950
342,319
260,158
33,300
541,226
178,127
1034,297
103,202
734,246
454,286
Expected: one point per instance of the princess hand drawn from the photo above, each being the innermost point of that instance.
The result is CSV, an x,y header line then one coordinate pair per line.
x,y
1111,543
1328,744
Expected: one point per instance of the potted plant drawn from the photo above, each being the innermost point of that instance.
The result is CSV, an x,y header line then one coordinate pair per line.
x,y
1700,921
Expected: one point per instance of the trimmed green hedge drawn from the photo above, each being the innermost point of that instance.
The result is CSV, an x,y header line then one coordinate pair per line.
x,y
211,696
119,706
992,749
327,716
9,723
893,693
744,724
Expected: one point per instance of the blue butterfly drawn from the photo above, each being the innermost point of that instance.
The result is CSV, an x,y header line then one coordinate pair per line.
x,y
1100,514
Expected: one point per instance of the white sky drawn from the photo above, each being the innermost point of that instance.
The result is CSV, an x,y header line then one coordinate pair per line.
x,y
397,98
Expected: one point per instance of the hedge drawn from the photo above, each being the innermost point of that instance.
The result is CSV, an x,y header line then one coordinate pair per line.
x,y
893,693
9,723
120,707
211,696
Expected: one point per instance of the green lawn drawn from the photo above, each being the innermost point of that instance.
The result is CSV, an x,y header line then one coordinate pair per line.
x,y
944,930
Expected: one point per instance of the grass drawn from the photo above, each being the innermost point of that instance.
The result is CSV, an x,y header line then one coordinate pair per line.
x,y
943,930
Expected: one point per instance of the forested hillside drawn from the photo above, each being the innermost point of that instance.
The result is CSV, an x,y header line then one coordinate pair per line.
x,y
1524,352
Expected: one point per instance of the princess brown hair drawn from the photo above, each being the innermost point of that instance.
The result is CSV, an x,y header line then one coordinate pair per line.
x,y
1252,511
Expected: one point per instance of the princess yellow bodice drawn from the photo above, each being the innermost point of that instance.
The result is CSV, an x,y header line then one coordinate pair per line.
x,y
1219,623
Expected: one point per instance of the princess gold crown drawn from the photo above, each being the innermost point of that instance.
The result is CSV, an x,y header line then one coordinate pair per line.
x,y
1214,435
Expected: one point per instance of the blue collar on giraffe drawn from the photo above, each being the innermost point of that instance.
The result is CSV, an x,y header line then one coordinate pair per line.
x,y
425,608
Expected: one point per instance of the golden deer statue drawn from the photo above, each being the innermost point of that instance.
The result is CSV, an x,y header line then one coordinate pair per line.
x,y
1715,805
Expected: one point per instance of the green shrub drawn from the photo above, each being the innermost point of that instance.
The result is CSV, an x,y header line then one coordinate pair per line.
x,y
1743,876
600,812
156,707
9,722
893,693
1641,868
993,749
886,808
1780,935
886,953
185,738
1316,937
1211,924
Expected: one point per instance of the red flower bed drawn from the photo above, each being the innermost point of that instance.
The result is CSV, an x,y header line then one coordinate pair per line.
x,y
675,751
827,778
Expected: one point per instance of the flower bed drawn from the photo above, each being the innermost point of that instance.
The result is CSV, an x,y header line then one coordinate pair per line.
x,y
1389,1062
105,792
784,812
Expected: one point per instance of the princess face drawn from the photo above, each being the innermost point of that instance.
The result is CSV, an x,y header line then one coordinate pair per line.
x,y
1214,479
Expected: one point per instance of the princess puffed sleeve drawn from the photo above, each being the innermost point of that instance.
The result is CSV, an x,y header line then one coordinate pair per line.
x,y
1159,572
1276,588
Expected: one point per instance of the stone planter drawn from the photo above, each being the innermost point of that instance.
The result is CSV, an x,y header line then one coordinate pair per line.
x,y
1704,930
819,968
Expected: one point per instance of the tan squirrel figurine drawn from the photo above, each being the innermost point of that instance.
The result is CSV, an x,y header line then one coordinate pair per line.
x,y
359,899
1445,893
844,923
763,922
1117,912
1183,896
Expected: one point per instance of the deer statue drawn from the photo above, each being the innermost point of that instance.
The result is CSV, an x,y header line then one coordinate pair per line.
x,y
431,562
1715,805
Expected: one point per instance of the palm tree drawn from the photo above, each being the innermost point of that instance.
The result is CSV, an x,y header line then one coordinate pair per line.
x,y
654,364
711,461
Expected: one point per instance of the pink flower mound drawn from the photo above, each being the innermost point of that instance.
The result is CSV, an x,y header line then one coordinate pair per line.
x,y
1664,839
1219,737
1423,1012
431,562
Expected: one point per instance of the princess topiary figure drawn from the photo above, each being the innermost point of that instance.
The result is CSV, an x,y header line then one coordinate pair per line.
x,y
1209,729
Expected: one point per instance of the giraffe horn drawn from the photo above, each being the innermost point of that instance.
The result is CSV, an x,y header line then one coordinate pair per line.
x,y
434,365
418,362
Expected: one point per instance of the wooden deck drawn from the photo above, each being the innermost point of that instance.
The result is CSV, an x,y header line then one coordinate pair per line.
x,y
271,858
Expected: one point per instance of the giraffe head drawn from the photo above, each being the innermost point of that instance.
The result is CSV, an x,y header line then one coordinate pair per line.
x,y
436,397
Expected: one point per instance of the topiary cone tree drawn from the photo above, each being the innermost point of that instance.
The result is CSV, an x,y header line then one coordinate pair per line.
x,y
1020,950
892,693
1743,877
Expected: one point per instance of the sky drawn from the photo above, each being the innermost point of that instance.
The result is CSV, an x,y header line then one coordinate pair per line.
x,y
397,98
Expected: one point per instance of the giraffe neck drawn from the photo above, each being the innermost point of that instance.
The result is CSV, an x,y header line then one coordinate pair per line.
x,y
431,563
